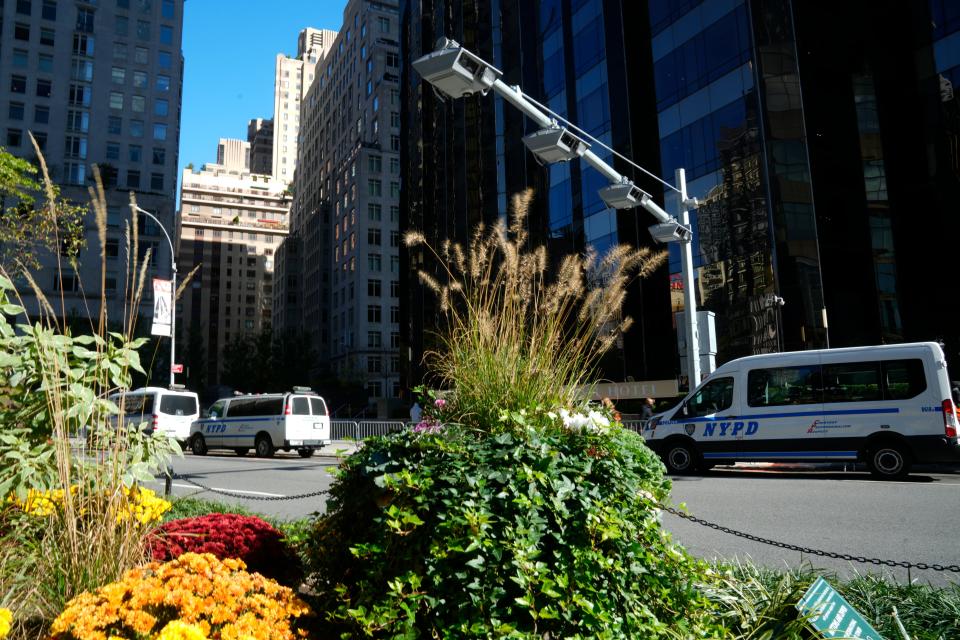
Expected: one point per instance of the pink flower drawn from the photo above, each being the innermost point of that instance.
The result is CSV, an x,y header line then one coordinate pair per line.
x,y
439,403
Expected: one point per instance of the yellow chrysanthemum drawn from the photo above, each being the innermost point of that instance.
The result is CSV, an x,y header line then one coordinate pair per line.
x,y
6,617
179,630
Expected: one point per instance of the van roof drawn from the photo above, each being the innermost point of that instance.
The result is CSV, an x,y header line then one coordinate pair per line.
x,y
926,346
158,389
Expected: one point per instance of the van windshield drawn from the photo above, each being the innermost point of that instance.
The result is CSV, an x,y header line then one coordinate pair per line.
x,y
172,405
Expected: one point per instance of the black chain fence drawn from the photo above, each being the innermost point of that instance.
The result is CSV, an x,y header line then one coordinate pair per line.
x,y
813,552
244,495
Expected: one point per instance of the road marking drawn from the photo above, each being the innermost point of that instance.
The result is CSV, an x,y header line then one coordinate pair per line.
x,y
253,493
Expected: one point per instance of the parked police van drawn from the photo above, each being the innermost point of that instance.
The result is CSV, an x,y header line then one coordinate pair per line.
x,y
889,406
169,411
265,422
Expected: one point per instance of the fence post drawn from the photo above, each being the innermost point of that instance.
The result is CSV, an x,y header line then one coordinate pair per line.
x,y
168,481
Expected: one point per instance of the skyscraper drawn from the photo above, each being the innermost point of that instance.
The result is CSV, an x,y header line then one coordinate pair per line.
x,y
231,223
344,220
98,83
260,137
293,79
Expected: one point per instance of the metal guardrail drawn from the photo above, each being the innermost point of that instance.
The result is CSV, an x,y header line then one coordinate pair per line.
x,y
635,425
359,430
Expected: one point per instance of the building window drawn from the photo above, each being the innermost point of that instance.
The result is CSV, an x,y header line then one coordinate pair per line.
x,y
83,45
164,59
166,34
81,70
16,111
395,166
14,137
19,58
41,139
375,164
136,128
394,238
140,80
133,178
138,104
114,125
393,60
394,213
161,108
374,389
374,262
79,95
41,114
374,212
46,37
394,189
374,313
135,153
141,55
395,315
49,10
75,172
374,341
395,143
116,100
156,181
159,131
384,24
85,20
394,264
159,155
143,30
374,364
163,83
75,147
118,75
119,51
166,8
45,62
18,84
373,236
113,151
23,6
21,32
120,25
395,119
374,187
373,288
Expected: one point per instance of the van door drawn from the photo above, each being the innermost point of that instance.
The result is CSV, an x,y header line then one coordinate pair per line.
x,y
708,415
299,422
176,412
853,403
781,410
321,418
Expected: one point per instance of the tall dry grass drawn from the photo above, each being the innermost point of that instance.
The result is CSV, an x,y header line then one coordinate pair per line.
x,y
516,334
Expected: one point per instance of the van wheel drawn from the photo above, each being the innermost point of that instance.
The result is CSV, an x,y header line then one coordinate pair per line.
x,y
305,453
680,458
241,451
198,445
888,461
264,447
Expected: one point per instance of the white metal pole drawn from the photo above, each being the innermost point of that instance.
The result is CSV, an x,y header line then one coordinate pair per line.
x,y
173,320
689,294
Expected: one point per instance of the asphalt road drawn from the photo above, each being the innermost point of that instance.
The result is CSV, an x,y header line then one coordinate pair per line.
x,y
917,520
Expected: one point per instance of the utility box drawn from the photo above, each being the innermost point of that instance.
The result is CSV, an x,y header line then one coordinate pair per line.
x,y
707,328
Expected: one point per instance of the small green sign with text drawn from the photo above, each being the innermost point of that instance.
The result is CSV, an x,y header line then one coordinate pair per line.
x,y
833,616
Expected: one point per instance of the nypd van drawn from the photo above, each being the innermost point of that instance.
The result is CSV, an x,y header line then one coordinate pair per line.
x,y
888,406
265,422
159,410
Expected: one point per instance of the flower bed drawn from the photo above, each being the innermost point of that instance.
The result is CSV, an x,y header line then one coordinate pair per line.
x,y
196,596
229,535
139,504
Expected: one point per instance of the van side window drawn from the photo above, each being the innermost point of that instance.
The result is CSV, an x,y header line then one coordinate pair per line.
x,y
852,382
784,386
216,409
138,405
318,406
301,406
241,408
178,405
269,407
903,379
716,395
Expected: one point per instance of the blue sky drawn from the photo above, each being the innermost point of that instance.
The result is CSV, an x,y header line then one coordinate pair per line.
x,y
230,49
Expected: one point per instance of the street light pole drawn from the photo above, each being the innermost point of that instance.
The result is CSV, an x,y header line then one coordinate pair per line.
x,y
173,272
457,72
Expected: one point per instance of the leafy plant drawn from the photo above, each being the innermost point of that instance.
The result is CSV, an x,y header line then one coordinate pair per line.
x,y
513,337
228,535
531,533
217,597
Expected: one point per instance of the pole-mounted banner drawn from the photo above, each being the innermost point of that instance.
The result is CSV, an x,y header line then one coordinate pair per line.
x,y
162,307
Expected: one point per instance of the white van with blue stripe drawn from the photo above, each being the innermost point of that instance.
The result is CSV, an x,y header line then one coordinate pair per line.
x,y
889,406
265,423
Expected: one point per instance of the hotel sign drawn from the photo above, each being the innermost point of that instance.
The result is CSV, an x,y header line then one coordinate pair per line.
x,y
629,390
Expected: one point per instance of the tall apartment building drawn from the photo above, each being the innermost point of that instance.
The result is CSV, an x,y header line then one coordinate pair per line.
x,y
260,137
98,83
345,213
291,82
231,223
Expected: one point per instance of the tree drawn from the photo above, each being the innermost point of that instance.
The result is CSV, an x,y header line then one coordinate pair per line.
x,y
26,230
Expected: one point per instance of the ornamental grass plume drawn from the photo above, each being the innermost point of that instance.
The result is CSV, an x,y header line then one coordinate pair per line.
x,y
218,598
520,331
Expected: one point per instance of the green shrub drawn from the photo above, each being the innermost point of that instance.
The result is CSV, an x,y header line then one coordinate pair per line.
x,y
517,535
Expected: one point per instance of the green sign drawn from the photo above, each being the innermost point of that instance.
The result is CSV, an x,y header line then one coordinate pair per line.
x,y
833,616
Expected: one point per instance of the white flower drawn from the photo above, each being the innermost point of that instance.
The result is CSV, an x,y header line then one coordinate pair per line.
x,y
600,421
